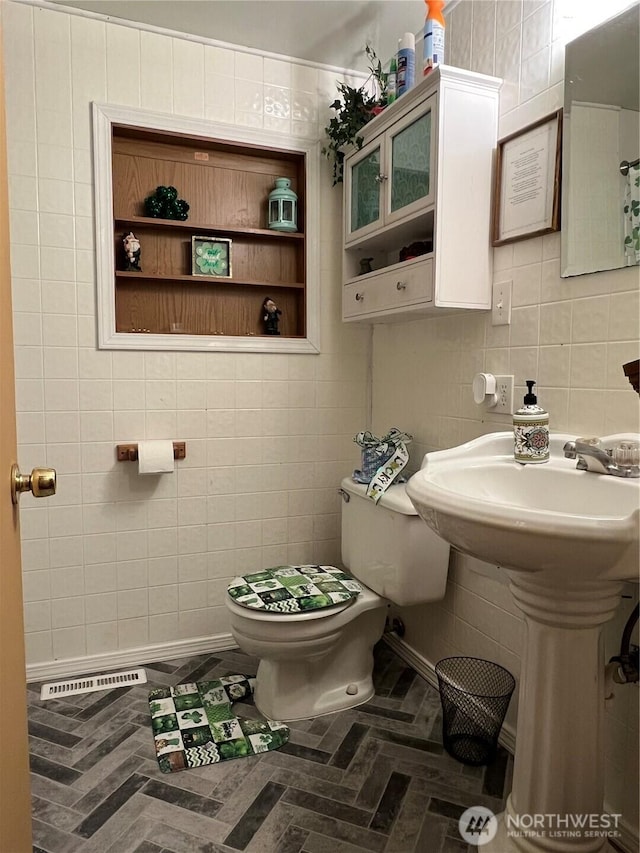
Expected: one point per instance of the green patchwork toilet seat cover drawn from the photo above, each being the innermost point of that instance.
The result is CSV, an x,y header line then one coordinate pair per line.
x,y
294,589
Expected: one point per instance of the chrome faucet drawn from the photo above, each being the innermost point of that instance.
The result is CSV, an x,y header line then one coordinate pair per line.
x,y
623,460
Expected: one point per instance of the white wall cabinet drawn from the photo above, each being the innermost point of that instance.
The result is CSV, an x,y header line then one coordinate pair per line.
x,y
389,179
420,189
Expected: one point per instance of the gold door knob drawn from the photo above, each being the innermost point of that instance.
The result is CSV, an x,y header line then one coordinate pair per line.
x,y
41,482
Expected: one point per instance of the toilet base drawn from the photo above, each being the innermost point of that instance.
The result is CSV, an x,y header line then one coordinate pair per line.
x,y
285,705
298,684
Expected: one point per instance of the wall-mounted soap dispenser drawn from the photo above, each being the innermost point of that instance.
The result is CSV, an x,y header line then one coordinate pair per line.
x,y
531,429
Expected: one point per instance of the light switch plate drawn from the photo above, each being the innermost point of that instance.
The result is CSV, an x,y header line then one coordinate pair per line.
x,y
501,303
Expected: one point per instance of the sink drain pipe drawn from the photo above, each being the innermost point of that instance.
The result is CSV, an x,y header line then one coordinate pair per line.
x,y
626,669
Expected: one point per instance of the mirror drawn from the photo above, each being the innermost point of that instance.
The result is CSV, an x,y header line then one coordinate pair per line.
x,y
601,131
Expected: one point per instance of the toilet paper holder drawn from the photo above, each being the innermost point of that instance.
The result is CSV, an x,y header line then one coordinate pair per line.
x,y
129,452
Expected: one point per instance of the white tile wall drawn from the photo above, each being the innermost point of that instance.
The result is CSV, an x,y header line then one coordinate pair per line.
x,y
573,335
113,561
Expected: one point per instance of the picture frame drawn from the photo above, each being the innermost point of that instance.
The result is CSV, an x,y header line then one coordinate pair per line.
x,y
526,195
211,256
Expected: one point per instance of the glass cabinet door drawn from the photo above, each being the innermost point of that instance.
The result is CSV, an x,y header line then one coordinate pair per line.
x,y
410,183
363,192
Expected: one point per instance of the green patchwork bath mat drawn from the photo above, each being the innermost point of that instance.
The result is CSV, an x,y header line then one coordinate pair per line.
x,y
291,589
193,724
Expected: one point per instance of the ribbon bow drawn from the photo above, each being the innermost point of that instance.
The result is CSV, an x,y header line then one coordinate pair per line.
x,y
382,445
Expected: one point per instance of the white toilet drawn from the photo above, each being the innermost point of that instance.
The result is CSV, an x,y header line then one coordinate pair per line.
x,y
321,661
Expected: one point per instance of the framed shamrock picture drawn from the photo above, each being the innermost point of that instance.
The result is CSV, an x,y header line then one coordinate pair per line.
x,y
211,256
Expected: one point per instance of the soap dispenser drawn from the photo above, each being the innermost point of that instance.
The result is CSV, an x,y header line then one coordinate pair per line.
x,y
531,430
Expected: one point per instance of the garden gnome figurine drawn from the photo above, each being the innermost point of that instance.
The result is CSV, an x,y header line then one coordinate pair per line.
x,y
271,316
132,252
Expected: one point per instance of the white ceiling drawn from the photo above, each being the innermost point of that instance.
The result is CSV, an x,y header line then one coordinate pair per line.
x,y
333,32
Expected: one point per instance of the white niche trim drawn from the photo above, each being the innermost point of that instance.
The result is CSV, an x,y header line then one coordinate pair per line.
x,y
107,115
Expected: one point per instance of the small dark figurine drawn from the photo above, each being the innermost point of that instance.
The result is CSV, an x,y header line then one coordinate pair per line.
x,y
365,266
270,316
132,252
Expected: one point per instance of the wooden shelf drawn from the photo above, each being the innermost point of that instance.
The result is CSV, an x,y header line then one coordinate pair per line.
x,y
149,278
231,185
193,227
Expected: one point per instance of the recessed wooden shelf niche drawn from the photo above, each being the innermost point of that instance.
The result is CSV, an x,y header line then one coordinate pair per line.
x,y
225,174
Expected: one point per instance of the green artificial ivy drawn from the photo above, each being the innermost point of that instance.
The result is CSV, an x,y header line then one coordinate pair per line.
x,y
354,108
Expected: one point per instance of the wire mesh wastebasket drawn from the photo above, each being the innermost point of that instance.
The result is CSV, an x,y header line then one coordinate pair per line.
x,y
475,695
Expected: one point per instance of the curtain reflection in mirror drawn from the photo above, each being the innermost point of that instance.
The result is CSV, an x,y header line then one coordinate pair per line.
x,y
631,210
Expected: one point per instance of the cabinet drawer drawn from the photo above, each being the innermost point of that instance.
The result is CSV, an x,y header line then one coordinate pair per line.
x,y
389,290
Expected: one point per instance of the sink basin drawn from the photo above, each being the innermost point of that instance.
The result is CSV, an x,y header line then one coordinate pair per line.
x,y
529,518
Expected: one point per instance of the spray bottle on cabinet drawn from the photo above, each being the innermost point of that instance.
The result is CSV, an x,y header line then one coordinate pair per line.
x,y
433,44
406,63
392,84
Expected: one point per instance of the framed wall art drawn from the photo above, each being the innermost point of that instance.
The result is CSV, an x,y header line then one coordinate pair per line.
x,y
526,198
211,256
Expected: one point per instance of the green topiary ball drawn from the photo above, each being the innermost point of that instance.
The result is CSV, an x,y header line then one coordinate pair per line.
x,y
165,204
153,207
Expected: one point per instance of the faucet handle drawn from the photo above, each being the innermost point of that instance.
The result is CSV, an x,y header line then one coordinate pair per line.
x,y
627,454
596,443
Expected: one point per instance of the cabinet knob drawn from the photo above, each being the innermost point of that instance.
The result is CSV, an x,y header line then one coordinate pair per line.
x,y
401,285
359,297
381,178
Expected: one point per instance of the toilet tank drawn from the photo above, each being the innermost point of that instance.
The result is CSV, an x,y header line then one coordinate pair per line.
x,y
390,548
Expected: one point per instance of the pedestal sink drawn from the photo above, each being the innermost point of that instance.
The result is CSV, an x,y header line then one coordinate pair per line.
x,y
567,540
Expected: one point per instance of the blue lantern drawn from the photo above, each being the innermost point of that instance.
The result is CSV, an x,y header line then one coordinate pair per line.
x,y
283,207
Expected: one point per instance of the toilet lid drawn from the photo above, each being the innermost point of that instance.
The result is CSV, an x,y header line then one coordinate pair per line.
x,y
294,589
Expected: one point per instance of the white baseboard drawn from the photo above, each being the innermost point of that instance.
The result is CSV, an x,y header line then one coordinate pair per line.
x,y
628,839
56,669
426,669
